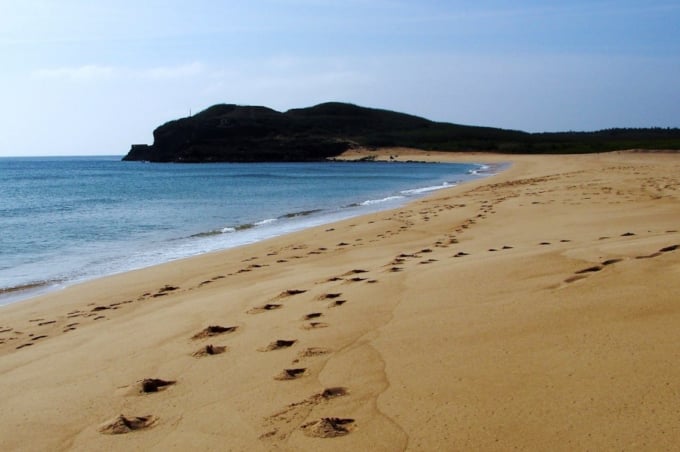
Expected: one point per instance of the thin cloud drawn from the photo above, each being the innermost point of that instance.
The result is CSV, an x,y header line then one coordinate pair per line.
x,y
92,72
81,73
168,72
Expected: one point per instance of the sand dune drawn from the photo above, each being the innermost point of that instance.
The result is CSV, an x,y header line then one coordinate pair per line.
x,y
538,309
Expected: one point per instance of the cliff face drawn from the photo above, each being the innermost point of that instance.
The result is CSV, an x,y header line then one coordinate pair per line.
x,y
232,133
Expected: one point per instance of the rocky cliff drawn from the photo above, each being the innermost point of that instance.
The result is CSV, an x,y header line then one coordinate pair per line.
x,y
232,133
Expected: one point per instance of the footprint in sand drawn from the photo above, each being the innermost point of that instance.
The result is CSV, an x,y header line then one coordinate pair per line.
x,y
209,350
117,304
328,427
331,393
311,352
355,271
291,374
291,292
264,308
168,288
582,274
649,256
122,424
404,256
337,303
329,296
214,330
278,344
595,268
284,422
165,290
150,385
312,315
70,327
666,249
314,325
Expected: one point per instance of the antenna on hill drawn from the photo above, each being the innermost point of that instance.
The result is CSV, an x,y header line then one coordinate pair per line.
x,y
190,112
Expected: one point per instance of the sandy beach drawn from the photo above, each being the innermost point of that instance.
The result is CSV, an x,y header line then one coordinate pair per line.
x,y
538,309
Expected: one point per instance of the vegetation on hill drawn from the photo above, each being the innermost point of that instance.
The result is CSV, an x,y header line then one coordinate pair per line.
x,y
232,133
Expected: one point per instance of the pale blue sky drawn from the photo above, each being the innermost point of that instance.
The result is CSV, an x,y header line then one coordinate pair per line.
x,y
85,77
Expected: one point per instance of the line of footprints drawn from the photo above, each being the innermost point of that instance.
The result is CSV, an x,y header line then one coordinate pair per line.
x,y
72,320
278,425
282,424
585,272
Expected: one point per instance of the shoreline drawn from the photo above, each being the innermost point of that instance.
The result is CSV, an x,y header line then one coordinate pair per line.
x,y
238,235
534,309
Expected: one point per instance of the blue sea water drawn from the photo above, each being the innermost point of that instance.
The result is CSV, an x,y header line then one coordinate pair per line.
x,y
67,219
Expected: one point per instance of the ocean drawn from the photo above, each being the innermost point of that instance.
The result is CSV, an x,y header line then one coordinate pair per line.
x,y
69,219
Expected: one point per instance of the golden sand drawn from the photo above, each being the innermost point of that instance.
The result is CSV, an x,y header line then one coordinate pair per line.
x,y
538,309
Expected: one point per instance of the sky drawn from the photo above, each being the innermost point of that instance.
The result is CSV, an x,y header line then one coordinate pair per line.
x,y
82,77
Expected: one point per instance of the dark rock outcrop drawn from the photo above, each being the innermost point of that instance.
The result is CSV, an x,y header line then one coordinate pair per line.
x,y
233,133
